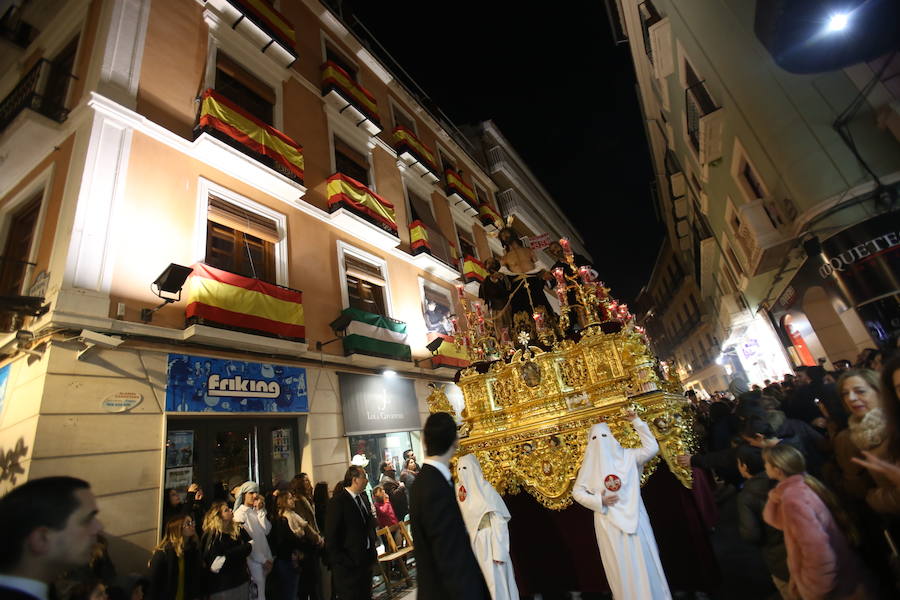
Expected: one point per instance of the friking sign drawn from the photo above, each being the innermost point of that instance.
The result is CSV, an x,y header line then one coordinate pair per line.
x,y
376,404
203,384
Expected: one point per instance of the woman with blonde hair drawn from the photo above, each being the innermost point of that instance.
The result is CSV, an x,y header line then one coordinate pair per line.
x,y
860,391
818,534
226,547
176,570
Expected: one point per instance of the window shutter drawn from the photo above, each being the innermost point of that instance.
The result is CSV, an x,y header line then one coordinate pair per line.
x,y
233,216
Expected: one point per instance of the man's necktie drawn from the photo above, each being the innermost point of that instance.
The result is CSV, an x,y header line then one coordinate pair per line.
x,y
362,511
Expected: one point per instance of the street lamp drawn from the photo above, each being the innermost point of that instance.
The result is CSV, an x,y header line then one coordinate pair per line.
x,y
838,22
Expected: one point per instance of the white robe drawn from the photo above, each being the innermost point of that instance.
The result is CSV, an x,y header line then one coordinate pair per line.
x,y
486,518
624,535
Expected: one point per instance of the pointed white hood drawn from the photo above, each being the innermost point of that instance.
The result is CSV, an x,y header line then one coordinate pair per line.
x,y
475,496
607,466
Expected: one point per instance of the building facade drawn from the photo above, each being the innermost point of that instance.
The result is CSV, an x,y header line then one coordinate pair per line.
x,y
225,223
772,185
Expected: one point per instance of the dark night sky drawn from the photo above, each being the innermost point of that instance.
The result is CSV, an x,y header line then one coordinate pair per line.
x,y
563,95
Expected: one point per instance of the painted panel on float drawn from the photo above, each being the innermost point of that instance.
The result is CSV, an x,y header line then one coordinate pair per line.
x,y
204,384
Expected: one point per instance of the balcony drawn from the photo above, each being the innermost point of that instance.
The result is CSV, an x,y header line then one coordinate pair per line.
x,y
488,216
361,212
229,123
459,192
758,238
433,252
43,90
224,300
350,99
705,122
375,335
415,154
265,27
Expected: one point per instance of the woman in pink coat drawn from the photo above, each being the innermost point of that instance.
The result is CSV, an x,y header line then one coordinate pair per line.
x,y
821,561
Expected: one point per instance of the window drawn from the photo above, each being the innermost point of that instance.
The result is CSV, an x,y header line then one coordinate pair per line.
x,y
481,195
402,119
446,162
697,103
57,89
338,58
350,162
466,242
752,181
244,89
420,210
17,250
240,241
436,308
366,284
649,16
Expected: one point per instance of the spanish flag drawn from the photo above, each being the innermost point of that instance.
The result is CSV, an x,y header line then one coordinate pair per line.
x,y
350,193
448,353
221,114
473,270
232,301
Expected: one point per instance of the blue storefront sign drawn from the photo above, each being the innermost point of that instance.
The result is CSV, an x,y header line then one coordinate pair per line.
x,y
203,384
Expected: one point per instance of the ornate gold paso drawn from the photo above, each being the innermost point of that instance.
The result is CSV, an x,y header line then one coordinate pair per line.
x,y
527,419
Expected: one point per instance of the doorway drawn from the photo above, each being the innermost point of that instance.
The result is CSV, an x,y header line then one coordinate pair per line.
x,y
219,453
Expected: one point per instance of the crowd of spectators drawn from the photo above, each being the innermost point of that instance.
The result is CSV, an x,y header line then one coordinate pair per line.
x,y
815,462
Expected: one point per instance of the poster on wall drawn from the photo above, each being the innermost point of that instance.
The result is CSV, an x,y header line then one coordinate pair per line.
x,y
4,379
179,478
281,443
180,449
204,384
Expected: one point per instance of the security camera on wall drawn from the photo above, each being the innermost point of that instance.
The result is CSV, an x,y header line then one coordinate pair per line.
x,y
98,339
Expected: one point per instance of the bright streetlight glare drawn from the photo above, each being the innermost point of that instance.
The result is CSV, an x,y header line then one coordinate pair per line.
x,y
838,21
389,373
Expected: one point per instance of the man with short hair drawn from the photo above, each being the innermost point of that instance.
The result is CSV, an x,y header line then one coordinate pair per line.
x,y
350,537
447,567
395,490
49,526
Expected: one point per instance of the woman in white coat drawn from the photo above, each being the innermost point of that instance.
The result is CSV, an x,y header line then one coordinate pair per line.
x,y
486,518
609,483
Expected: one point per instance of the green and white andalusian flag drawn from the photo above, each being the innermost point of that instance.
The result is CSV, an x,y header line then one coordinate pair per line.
x,y
375,335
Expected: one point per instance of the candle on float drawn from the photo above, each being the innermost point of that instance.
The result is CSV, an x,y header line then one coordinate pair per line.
x,y
478,309
460,290
567,249
538,320
560,275
585,274
561,295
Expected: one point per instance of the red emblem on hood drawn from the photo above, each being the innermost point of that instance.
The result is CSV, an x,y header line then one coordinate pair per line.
x,y
462,493
612,483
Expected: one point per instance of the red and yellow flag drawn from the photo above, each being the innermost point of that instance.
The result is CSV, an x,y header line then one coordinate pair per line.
x,y
360,97
404,139
489,216
274,21
220,113
242,303
354,195
456,184
448,354
473,270
418,237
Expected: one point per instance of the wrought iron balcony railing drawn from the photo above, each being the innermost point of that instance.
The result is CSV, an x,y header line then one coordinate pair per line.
x,y
43,90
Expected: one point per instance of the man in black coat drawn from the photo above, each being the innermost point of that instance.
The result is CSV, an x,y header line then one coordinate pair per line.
x,y
350,537
446,566
49,526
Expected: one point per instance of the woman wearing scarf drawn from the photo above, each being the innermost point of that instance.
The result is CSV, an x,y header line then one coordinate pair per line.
x,y
609,483
250,512
486,518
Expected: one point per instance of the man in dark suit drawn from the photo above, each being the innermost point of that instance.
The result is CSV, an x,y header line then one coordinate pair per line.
x,y
49,526
446,566
350,537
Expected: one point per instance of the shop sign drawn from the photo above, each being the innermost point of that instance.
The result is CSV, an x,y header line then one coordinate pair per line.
x,y
377,404
204,384
120,402
539,242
